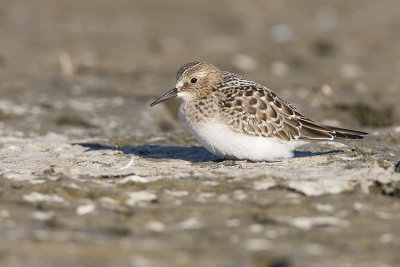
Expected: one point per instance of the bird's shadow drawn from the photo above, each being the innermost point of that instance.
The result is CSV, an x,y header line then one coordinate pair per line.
x,y
192,154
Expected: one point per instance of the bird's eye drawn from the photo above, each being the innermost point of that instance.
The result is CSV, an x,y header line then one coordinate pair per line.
x,y
193,80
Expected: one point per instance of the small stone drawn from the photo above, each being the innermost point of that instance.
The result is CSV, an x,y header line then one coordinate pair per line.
x,y
140,196
39,197
85,209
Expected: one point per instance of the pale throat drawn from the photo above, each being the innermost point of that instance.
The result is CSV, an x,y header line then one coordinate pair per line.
x,y
185,96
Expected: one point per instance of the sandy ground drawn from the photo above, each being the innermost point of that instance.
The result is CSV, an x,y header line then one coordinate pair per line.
x,y
90,175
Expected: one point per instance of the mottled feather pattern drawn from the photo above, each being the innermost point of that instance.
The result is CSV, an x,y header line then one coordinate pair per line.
x,y
256,110
251,108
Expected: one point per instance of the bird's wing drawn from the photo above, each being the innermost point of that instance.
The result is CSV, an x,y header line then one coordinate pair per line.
x,y
256,110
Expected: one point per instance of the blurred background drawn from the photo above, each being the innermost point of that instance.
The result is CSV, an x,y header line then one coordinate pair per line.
x,y
92,67
88,70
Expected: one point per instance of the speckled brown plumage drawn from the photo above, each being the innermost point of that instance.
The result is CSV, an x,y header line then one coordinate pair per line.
x,y
254,109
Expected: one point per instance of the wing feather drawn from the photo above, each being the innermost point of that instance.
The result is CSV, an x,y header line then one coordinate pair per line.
x,y
256,110
253,109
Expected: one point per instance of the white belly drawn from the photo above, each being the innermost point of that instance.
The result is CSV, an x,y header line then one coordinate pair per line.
x,y
222,141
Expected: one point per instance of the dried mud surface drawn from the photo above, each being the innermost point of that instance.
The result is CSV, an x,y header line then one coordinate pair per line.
x,y
90,175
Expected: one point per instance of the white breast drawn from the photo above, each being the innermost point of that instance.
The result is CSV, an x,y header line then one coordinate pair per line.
x,y
223,141
220,139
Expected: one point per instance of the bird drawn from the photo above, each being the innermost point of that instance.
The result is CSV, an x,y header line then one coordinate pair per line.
x,y
236,118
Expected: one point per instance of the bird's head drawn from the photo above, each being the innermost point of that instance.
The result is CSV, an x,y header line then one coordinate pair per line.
x,y
194,79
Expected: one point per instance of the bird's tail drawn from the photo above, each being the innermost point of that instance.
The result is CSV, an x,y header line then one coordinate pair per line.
x,y
347,133
317,131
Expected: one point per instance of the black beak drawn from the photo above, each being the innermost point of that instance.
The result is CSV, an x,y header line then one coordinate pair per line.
x,y
171,94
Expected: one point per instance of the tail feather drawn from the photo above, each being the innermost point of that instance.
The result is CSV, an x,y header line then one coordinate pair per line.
x,y
313,130
347,133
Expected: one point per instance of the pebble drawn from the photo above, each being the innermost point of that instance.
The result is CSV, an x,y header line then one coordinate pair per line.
x,y
39,197
85,209
140,196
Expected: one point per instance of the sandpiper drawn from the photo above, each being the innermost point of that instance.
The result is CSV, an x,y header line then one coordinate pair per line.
x,y
236,118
